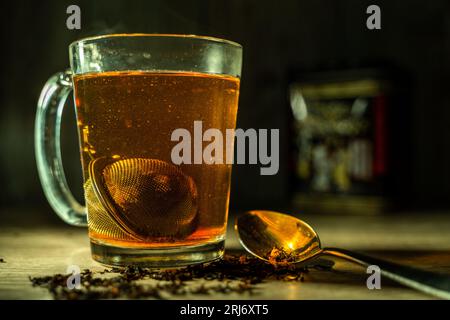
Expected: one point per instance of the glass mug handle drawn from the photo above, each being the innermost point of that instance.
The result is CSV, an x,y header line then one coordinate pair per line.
x,y
48,149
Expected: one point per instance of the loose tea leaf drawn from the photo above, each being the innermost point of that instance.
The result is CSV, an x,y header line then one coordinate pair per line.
x,y
235,273
280,257
2,260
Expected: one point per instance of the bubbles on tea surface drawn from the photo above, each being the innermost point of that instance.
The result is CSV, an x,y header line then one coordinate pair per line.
x,y
147,197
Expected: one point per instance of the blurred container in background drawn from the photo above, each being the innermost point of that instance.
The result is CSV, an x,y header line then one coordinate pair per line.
x,y
342,141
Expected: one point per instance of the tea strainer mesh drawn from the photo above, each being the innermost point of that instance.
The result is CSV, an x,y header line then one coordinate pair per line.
x,y
145,198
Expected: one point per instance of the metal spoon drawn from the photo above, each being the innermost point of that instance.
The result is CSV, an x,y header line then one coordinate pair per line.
x,y
262,231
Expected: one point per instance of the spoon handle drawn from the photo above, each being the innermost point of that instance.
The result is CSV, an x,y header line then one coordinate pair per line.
x,y
428,282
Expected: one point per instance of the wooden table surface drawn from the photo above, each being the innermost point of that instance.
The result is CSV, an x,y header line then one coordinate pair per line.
x,y
35,243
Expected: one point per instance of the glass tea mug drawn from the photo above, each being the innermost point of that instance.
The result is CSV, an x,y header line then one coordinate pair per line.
x,y
132,92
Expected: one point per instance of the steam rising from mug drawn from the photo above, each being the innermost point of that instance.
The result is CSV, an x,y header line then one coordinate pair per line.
x,y
146,198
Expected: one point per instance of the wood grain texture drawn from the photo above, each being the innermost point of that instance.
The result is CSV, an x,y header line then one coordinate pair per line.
x,y
36,244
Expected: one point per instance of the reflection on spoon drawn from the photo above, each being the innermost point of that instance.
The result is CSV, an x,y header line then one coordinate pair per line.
x,y
281,238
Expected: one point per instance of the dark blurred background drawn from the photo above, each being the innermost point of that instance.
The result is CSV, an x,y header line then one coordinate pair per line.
x,y
282,41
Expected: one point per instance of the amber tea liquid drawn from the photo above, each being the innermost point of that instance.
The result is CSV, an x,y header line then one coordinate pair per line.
x,y
135,195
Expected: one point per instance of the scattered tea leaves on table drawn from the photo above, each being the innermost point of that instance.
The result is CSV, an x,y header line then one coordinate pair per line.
x,y
235,273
